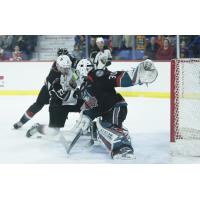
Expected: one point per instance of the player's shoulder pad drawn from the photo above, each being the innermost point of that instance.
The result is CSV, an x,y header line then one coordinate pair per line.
x,y
99,73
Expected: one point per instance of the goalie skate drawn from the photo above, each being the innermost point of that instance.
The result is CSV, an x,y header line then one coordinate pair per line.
x,y
125,153
32,130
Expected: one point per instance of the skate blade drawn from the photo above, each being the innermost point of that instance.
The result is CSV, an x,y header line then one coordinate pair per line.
x,y
126,156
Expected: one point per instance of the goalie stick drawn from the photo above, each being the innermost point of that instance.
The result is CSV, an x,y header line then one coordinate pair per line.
x,y
74,141
63,141
68,146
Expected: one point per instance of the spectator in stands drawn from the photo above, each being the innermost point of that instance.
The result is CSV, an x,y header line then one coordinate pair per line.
x,y
77,53
160,40
1,47
128,41
1,40
166,52
194,46
172,40
151,49
79,40
21,43
26,44
184,53
93,46
16,54
195,51
116,42
1,54
7,43
80,44
30,43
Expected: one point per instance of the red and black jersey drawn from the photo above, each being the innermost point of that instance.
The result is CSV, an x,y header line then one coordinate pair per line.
x,y
101,85
53,74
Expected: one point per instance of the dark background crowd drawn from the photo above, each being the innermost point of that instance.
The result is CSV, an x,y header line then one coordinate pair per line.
x,y
123,47
18,47
155,47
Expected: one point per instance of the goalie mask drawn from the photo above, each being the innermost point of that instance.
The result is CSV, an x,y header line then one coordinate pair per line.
x,y
63,64
83,67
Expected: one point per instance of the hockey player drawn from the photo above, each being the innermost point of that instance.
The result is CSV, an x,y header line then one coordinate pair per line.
x,y
101,57
43,97
101,100
64,92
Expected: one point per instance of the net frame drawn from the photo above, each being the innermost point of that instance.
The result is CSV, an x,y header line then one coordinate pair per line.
x,y
175,132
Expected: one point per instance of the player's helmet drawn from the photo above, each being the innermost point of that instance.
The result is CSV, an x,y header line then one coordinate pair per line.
x,y
59,51
100,42
65,51
62,51
83,67
63,64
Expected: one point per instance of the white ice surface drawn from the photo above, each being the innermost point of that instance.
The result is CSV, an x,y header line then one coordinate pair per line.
x,y
147,121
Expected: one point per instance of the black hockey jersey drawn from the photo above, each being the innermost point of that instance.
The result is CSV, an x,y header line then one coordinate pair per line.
x,y
100,84
53,75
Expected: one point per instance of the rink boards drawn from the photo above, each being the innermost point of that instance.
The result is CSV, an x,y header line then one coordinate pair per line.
x,y
26,78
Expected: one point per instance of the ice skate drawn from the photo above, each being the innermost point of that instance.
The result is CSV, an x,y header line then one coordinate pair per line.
x,y
18,125
124,153
32,130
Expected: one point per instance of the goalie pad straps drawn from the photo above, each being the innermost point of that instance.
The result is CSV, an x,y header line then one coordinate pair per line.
x,y
113,138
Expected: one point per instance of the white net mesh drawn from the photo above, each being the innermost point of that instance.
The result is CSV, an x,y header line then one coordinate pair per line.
x,y
187,99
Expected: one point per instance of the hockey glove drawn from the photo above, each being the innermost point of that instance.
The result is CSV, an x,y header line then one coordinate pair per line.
x,y
145,72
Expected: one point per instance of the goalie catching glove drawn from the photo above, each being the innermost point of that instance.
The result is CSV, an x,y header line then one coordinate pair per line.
x,y
145,73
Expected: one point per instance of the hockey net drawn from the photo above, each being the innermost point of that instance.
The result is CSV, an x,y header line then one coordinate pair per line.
x,y
185,105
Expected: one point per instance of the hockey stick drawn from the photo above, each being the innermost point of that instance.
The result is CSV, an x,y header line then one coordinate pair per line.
x,y
64,142
68,146
74,141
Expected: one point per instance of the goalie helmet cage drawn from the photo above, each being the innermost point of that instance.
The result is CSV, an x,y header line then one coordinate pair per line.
x,y
185,100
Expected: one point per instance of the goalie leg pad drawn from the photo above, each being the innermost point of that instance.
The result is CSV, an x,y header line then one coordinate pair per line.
x,y
117,140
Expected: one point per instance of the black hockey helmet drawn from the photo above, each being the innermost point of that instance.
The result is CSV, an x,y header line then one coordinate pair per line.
x,y
59,51
65,51
62,51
